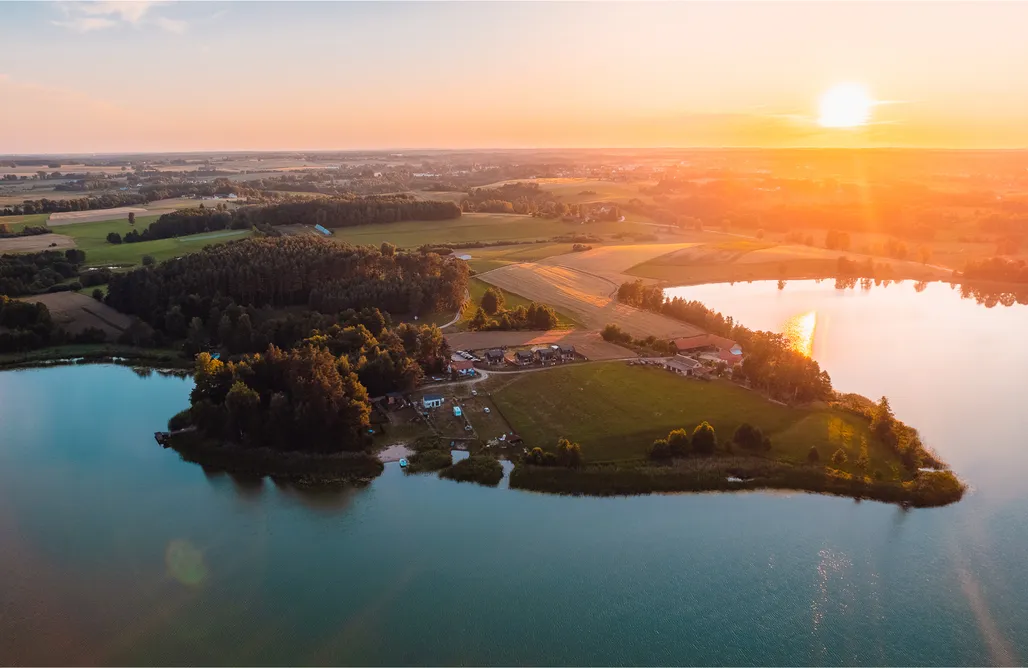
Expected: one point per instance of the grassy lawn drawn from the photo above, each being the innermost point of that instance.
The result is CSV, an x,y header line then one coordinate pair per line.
x,y
616,411
469,227
477,288
92,238
18,223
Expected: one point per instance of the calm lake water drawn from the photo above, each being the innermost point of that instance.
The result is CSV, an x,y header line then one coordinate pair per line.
x,y
115,551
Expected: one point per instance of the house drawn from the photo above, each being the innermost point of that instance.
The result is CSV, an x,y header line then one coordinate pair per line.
x,y
726,349
544,353
523,357
395,400
462,367
432,401
683,365
494,356
567,352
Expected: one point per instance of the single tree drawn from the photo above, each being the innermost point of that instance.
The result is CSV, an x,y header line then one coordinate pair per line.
x,y
660,449
492,301
148,260
569,454
113,238
678,442
839,457
132,218
479,320
813,456
704,440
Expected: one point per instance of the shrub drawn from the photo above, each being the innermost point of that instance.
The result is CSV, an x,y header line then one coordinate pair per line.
x,y
98,294
148,260
813,456
114,238
430,460
660,449
751,438
678,442
482,469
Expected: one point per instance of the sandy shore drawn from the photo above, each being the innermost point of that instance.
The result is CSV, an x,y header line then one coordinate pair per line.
x,y
395,453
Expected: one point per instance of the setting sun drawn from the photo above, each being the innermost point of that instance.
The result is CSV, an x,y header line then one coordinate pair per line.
x,y
844,106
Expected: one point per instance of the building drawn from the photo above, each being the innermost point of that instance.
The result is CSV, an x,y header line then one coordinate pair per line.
x,y
523,357
462,367
395,400
726,349
544,353
567,352
432,400
494,356
683,365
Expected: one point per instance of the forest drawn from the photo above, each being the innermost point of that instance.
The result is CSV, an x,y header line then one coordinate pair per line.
x,y
24,326
281,288
314,394
300,399
31,273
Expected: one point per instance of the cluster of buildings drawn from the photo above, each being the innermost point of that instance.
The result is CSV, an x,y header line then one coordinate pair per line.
x,y
696,355
551,354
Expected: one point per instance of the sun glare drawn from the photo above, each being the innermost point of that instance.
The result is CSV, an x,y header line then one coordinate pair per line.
x,y
844,106
799,331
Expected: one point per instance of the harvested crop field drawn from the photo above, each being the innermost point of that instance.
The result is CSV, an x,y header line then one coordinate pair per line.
x,y
75,312
36,243
96,215
583,285
588,344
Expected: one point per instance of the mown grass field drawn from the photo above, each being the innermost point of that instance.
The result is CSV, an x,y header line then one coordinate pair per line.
x,y
92,238
616,411
18,223
469,227
486,259
477,288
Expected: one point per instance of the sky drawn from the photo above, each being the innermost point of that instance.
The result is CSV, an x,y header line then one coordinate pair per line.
x,y
81,77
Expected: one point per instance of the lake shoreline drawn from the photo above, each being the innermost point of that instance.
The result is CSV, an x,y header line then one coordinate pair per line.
x,y
296,466
101,353
927,490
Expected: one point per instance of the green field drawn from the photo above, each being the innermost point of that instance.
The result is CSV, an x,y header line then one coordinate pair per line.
x,y
616,411
92,238
469,227
477,288
18,223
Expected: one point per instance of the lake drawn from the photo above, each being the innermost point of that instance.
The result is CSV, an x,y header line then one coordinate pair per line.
x,y
116,551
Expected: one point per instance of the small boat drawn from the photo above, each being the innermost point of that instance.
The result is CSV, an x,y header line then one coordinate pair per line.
x,y
403,463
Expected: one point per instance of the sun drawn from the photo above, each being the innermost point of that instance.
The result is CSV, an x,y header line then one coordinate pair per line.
x,y
844,106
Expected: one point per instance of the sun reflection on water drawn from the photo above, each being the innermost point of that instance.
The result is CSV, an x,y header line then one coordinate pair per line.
x,y
799,330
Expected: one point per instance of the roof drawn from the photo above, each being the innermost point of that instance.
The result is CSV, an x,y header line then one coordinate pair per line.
x,y
705,340
432,397
461,365
683,361
567,347
495,352
523,353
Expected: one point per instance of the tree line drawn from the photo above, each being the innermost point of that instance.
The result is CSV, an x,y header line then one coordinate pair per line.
x,y
999,269
350,211
769,363
491,315
180,223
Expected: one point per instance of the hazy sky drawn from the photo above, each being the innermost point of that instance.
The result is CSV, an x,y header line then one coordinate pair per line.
x,y
113,76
